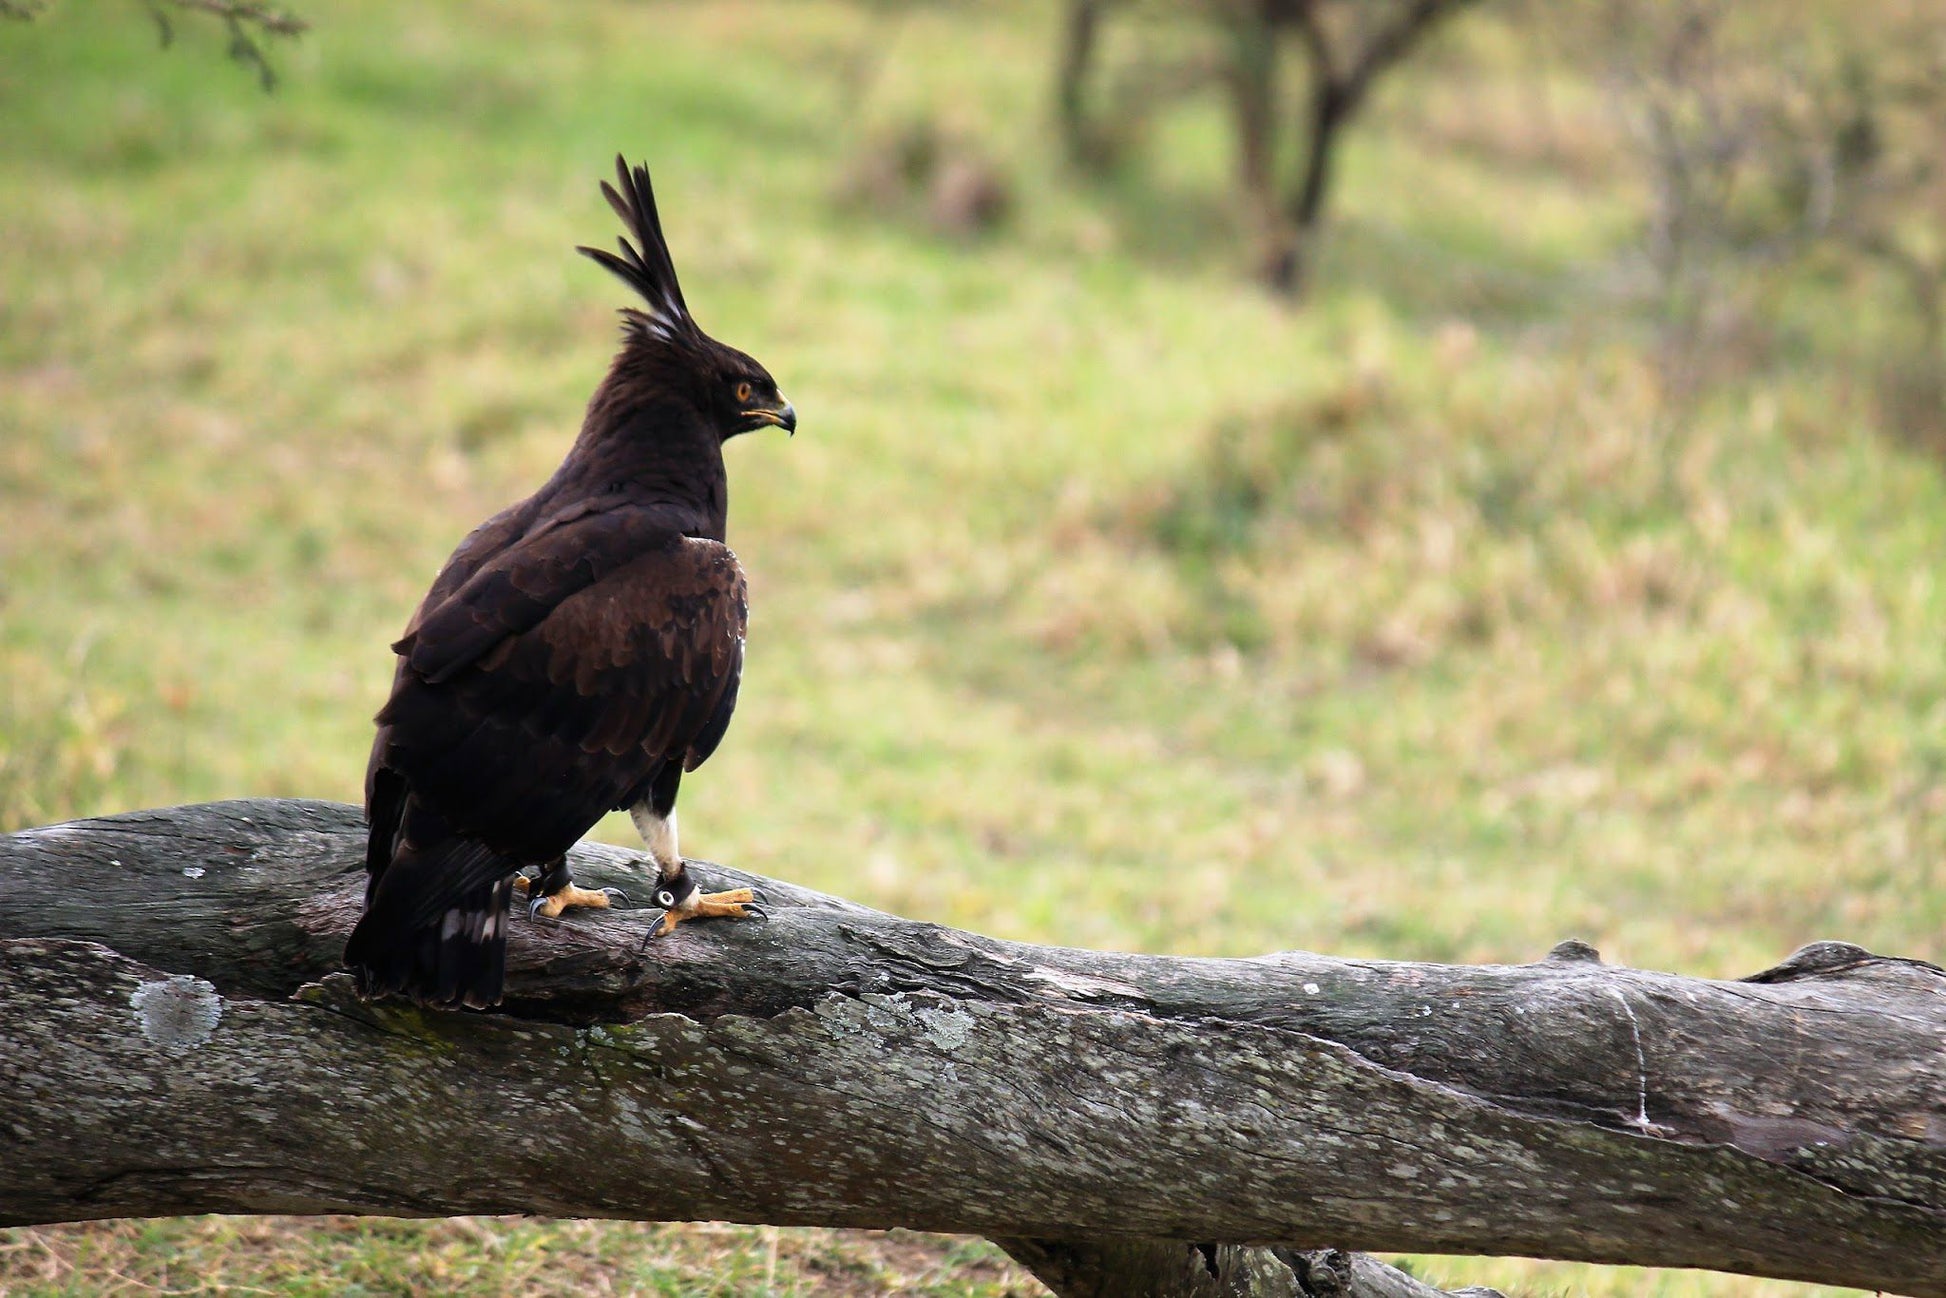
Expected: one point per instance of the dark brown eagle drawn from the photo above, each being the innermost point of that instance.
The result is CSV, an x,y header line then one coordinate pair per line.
x,y
578,653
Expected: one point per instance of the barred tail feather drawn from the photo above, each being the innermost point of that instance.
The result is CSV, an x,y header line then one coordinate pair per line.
x,y
461,960
435,923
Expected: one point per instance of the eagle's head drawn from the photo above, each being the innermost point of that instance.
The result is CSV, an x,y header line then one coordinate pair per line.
x,y
745,397
731,390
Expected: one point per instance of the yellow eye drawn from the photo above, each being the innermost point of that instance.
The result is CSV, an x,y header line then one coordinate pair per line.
x,y
743,392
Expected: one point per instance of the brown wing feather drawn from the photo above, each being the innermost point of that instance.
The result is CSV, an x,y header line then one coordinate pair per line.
x,y
477,603
553,683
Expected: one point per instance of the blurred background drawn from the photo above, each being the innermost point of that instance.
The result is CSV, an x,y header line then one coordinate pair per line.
x,y
1432,478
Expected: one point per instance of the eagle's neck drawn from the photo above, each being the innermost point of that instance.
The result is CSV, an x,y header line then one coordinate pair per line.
x,y
657,453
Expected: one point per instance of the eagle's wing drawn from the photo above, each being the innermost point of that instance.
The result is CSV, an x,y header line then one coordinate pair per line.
x,y
551,685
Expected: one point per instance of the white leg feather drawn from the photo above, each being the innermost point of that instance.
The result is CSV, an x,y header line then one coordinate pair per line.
x,y
659,834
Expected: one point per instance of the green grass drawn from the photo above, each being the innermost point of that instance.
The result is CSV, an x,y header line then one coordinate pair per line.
x,y
348,1257
1417,623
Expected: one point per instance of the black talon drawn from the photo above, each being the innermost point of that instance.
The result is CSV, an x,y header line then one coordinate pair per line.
x,y
756,912
617,892
655,931
534,906
759,894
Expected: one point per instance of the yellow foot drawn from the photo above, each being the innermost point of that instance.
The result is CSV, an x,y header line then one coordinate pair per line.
x,y
734,904
551,905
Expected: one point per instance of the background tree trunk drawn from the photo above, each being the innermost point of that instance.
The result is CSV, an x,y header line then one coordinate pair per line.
x,y
1251,29
1080,24
1342,67
174,1040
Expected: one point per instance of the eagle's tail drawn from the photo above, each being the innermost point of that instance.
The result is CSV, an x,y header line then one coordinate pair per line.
x,y
435,921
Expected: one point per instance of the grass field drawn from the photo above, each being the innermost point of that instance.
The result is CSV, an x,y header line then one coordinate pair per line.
x,y
1418,623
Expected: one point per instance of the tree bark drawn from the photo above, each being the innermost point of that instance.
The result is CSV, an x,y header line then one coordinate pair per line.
x,y
174,1039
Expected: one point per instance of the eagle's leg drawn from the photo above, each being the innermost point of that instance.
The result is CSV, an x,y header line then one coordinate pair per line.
x,y
556,891
675,888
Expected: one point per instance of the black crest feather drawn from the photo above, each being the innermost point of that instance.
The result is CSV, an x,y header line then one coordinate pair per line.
x,y
649,271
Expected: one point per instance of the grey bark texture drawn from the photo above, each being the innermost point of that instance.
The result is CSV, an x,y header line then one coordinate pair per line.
x,y
174,1038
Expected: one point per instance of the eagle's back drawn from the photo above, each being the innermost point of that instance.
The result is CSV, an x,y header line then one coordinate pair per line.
x,y
533,741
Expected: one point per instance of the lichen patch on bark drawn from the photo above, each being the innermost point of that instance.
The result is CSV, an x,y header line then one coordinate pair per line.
x,y
179,1012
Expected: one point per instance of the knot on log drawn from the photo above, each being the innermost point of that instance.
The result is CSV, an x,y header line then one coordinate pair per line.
x,y
1829,959
1813,959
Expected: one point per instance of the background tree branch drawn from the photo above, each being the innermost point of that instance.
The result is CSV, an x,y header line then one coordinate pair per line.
x,y
1345,49
190,1049
249,24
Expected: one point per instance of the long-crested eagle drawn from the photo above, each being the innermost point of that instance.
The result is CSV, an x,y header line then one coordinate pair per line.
x,y
578,653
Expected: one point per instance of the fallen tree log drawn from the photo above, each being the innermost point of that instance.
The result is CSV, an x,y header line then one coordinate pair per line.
x,y
174,1039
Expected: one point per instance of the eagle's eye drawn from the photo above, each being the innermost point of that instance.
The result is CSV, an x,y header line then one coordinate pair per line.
x,y
743,392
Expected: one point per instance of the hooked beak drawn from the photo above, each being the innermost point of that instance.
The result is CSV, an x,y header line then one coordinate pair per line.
x,y
782,416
